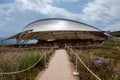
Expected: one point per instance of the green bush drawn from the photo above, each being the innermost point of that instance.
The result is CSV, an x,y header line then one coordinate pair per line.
x,y
29,78
28,61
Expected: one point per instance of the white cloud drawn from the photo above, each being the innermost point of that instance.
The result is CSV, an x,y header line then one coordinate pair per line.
x,y
113,27
9,8
43,7
69,0
46,8
102,10
9,19
1,12
96,10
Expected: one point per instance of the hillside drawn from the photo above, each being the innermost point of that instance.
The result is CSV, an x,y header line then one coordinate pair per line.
x,y
116,33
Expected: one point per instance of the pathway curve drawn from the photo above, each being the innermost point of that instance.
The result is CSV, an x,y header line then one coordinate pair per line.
x,y
59,68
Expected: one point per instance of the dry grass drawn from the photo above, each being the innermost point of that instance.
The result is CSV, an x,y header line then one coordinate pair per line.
x,y
15,59
111,54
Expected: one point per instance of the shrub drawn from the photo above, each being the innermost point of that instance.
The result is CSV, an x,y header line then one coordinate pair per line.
x,y
28,61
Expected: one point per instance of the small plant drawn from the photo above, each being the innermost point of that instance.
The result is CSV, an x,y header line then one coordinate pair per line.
x,y
28,61
29,78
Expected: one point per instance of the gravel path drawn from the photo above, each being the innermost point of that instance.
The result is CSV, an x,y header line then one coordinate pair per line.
x,y
59,68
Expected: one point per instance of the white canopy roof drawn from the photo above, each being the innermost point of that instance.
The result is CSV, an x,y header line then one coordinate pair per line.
x,y
56,28
56,24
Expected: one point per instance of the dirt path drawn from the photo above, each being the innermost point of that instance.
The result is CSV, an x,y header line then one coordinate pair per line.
x,y
59,68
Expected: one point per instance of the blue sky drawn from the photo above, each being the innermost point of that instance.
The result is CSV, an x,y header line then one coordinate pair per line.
x,y
16,14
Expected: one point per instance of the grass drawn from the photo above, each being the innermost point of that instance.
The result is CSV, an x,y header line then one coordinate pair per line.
x,y
106,52
14,59
28,61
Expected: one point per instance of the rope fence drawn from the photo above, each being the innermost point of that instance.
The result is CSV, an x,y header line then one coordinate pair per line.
x,y
16,72
84,65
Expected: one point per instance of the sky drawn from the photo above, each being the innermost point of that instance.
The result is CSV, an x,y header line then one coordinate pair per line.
x,y
16,14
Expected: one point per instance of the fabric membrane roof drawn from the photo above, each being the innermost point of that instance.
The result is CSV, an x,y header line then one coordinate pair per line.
x,y
56,28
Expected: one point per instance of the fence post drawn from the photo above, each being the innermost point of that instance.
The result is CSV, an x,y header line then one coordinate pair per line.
x,y
76,73
52,50
45,60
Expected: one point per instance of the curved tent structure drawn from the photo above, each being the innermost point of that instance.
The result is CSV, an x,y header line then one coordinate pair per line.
x,y
58,29
58,25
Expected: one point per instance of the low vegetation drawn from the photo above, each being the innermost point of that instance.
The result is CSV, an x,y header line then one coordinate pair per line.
x,y
107,66
15,59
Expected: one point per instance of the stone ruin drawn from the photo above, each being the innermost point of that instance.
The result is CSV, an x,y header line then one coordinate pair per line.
x,y
100,62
